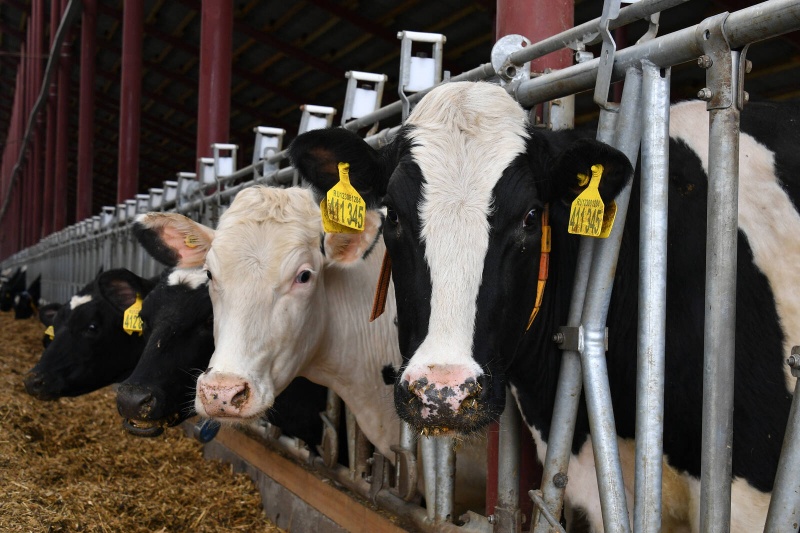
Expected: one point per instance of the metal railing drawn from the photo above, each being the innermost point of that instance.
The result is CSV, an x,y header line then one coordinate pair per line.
x,y
71,257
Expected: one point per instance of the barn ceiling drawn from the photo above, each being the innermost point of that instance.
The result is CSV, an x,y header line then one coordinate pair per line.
x,y
289,53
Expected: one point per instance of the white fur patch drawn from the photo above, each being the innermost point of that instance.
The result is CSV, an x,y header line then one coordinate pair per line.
x,y
464,136
76,300
191,277
766,216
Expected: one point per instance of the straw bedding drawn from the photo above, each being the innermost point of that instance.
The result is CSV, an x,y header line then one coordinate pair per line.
x,y
69,466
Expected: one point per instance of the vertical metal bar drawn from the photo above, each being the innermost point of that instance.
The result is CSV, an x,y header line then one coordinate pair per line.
x,y
83,207
652,299
598,296
785,502
570,381
428,451
720,312
445,478
508,517
130,95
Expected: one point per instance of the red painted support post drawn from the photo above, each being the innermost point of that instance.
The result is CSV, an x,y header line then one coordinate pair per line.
x,y
48,200
26,174
214,92
62,135
130,96
536,20
83,205
38,142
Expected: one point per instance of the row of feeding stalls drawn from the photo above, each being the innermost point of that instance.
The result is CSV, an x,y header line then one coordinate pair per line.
x,y
70,258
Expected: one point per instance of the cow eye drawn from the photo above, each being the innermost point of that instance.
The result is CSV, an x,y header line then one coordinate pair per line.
x,y
91,327
303,277
531,218
391,214
208,273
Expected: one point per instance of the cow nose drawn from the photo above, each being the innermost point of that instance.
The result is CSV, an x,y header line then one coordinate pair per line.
x,y
444,390
34,382
135,402
223,395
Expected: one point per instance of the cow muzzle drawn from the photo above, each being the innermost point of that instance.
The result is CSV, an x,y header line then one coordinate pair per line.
x,y
439,399
225,396
141,410
38,386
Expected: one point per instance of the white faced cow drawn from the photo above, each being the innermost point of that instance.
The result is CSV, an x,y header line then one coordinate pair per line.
x,y
465,182
289,303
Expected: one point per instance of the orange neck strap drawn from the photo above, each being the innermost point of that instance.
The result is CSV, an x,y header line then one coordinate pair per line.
x,y
544,265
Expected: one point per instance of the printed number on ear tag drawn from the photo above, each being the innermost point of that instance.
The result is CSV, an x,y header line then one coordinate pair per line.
x,y
343,210
587,215
131,321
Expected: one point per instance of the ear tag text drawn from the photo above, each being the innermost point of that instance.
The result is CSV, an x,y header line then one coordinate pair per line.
x,y
586,216
50,332
131,321
343,210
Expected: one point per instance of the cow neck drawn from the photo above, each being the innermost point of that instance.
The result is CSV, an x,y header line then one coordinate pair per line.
x,y
544,265
352,351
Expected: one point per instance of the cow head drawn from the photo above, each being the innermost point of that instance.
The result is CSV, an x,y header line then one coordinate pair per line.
x,y
90,349
267,267
11,287
464,183
178,328
26,302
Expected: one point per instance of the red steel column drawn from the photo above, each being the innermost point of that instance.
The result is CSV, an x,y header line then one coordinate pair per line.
x,y
83,205
38,140
130,96
536,20
62,135
48,200
214,92
26,174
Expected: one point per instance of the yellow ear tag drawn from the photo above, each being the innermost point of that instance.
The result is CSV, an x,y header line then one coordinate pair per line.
x,y
191,241
586,213
131,321
50,332
343,210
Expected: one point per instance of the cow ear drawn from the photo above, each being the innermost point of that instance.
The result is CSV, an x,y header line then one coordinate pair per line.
x,y
121,286
47,313
316,155
348,248
572,168
172,239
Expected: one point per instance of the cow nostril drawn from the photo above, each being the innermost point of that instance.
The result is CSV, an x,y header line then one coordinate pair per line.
x,y
417,386
241,397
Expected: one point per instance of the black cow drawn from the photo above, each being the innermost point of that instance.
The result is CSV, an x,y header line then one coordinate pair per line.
x,y
465,183
90,349
12,286
26,303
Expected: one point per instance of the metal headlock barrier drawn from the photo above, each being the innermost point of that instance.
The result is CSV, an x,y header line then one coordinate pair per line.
x,y
71,257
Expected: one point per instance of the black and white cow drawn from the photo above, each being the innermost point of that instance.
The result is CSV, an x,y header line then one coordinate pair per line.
x,y
179,335
90,349
465,182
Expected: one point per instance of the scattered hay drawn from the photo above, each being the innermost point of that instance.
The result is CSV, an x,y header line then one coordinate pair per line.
x,y
69,466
